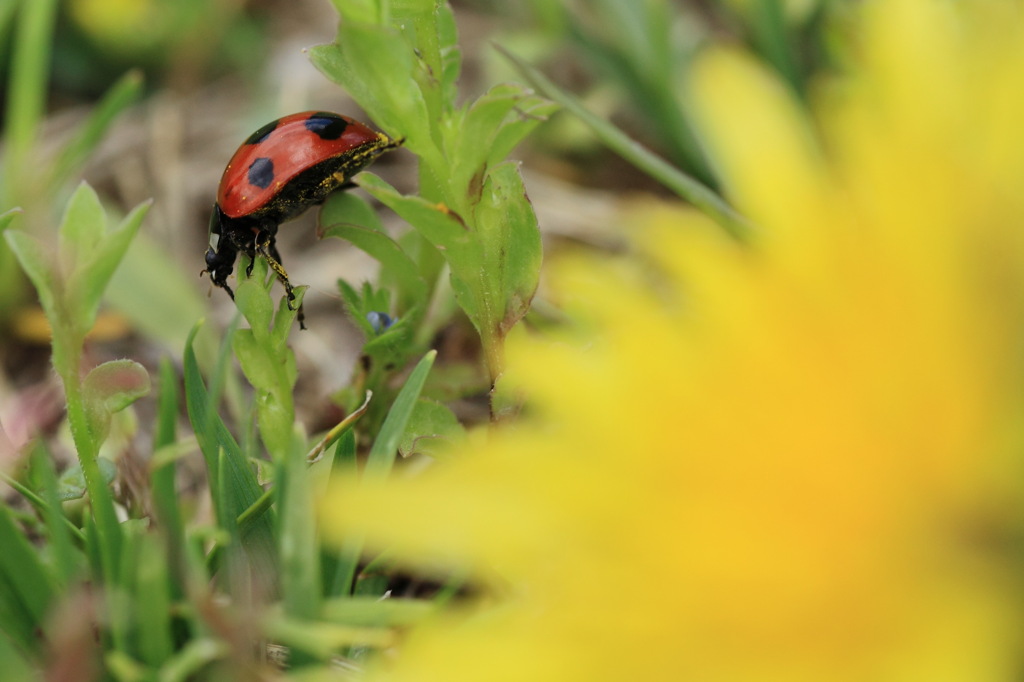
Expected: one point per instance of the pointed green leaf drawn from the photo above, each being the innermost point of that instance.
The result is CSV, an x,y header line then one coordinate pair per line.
x,y
489,131
508,231
384,249
33,258
81,229
441,227
92,274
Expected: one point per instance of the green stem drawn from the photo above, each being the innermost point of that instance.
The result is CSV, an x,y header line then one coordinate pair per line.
x,y
494,356
66,359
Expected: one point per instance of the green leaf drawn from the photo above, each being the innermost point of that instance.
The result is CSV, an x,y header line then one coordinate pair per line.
x,y
14,665
375,612
71,484
253,300
436,222
239,488
151,601
64,558
385,446
192,658
490,129
7,216
266,360
111,387
301,583
508,232
451,56
89,280
431,430
379,461
323,640
346,208
385,250
32,256
81,229
24,571
366,11
376,67
162,477
341,567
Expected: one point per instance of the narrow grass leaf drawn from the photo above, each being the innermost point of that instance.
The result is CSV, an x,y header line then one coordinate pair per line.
x,y
65,560
16,623
152,602
378,464
375,612
239,489
14,665
385,446
119,97
685,186
24,570
27,83
301,583
192,658
340,568
162,478
325,640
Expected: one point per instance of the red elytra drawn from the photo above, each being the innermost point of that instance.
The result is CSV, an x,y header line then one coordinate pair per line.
x,y
281,170
281,150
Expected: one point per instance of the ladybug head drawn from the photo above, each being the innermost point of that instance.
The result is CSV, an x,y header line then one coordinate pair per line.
x,y
220,256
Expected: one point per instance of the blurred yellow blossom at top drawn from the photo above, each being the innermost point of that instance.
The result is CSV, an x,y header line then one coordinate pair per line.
x,y
798,459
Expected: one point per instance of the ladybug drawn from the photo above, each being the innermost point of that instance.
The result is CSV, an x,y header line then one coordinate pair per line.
x,y
281,170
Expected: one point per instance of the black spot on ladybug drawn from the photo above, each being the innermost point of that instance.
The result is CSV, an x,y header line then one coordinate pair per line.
x,y
327,126
261,172
262,133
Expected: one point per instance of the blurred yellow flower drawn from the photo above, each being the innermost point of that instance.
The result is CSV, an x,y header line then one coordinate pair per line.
x,y
794,460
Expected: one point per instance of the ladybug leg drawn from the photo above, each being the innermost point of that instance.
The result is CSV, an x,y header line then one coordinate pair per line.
x,y
268,250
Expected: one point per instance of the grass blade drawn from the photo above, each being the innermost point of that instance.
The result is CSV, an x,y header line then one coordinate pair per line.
x,y
120,96
233,481
688,188
378,464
